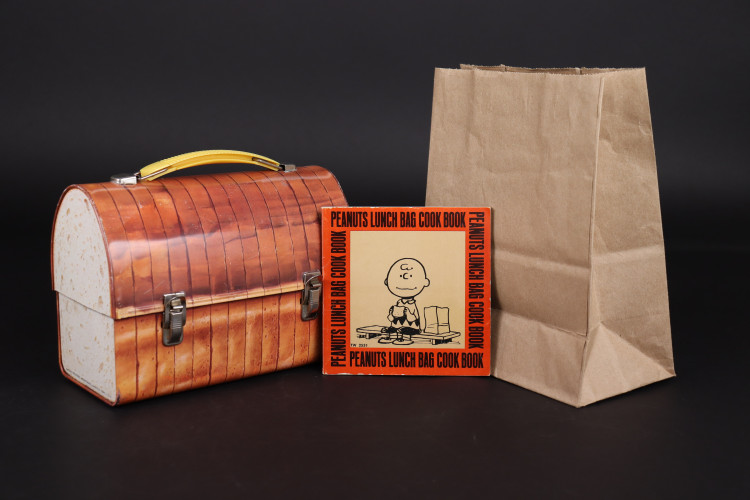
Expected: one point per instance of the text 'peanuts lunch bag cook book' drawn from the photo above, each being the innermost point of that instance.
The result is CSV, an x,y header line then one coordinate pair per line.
x,y
177,283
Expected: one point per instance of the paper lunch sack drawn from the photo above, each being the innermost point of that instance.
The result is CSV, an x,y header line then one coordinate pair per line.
x,y
170,284
437,320
566,159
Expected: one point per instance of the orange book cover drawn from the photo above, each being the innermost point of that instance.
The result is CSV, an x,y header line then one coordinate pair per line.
x,y
406,291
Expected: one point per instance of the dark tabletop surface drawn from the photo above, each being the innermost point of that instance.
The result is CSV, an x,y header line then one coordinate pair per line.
x,y
301,433
94,88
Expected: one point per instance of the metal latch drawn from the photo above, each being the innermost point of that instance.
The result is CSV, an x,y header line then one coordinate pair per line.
x,y
175,313
311,294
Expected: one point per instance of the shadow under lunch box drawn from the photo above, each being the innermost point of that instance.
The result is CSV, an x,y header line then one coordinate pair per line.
x,y
177,283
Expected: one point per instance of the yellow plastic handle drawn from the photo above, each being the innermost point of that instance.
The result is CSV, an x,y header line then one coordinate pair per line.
x,y
207,157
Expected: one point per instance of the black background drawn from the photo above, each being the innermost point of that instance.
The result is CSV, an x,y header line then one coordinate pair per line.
x,y
94,88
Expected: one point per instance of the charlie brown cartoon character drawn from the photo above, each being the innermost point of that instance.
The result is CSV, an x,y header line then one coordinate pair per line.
x,y
406,279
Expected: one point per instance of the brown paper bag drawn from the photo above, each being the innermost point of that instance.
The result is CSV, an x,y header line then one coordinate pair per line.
x,y
566,159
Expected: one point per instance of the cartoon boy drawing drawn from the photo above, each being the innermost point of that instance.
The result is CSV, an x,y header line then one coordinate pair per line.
x,y
406,279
